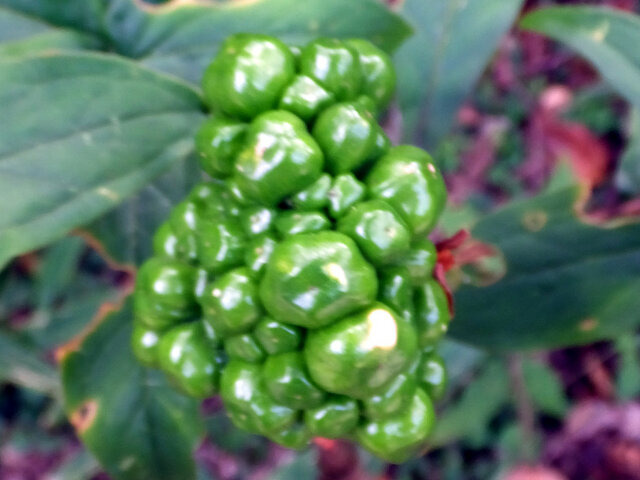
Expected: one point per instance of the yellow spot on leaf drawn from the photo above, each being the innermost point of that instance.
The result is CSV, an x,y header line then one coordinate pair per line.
x,y
108,193
127,463
535,220
601,32
83,417
588,324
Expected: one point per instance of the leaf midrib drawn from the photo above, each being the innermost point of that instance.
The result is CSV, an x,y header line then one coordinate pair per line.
x,y
583,261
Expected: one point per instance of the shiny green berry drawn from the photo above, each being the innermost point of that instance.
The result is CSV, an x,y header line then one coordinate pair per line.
x,y
248,75
333,64
144,343
186,355
337,417
347,135
379,76
242,389
165,293
217,143
258,252
398,438
279,158
221,243
420,261
396,290
230,303
395,398
305,98
315,196
346,190
289,383
313,279
432,313
277,337
293,223
244,347
361,354
378,230
297,436
432,375
408,180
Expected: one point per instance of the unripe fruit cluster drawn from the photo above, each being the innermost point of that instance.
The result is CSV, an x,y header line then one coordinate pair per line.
x,y
298,282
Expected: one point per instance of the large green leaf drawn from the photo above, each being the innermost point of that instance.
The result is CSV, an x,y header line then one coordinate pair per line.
x,y
14,26
21,363
51,41
628,174
125,234
128,416
604,36
85,15
438,66
20,35
566,281
108,128
182,39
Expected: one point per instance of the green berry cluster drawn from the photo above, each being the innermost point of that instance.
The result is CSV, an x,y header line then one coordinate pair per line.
x,y
298,282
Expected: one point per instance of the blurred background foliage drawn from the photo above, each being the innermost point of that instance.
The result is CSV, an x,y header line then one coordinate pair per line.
x,y
530,109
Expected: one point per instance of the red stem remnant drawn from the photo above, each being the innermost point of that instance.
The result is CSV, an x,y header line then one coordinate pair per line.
x,y
337,460
446,261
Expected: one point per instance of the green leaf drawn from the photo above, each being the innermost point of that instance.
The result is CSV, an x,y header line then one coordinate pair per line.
x,y
20,35
461,360
544,387
20,363
52,41
516,446
79,467
438,66
183,39
566,281
83,15
14,27
628,174
603,36
303,465
59,297
128,416
109,127
57,270
125,234
468,417
628,378
55,324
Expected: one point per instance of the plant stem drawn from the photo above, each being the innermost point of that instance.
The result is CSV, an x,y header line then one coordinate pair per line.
x,y
524,408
